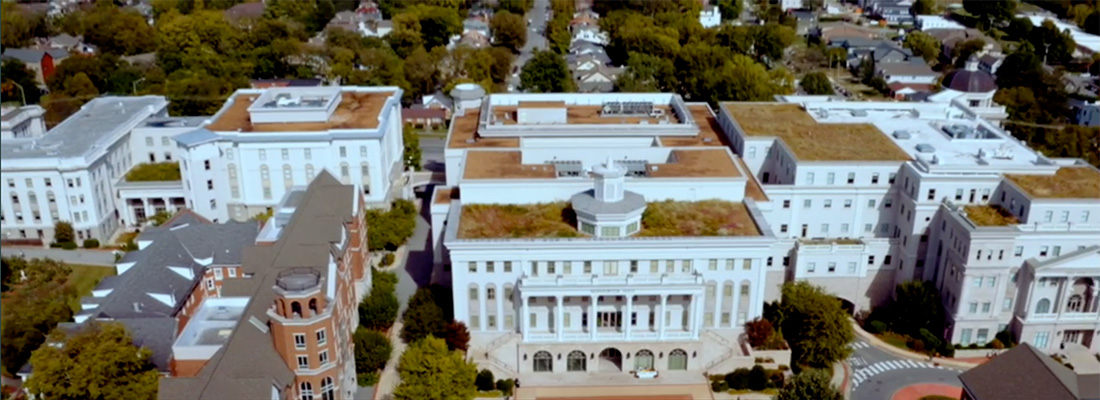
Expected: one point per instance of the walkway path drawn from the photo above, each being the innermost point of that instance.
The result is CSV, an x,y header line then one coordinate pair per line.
x,y
77,256
414,271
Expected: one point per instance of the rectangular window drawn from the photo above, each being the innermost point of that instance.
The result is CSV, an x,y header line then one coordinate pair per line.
x,y
473,294
965,337
1018,251
490,267
551,268
1048,216
852,267
611,268
343,151
1006,305
490,294
685,266
1064,217
868,227
811,267
786,204
218,273
507,266
1043,251
843,228
1057,251
654,266
874,178
1041,339
973,307
670,266
983,335
886,260
830,178
362,151
991,281
634,266
807,203
587,267
870,260
567,267
263,155
783,228
1084,214
299,341
322,337
825,229
509,322
887,203
49,183
851,178
533,319
232,272
958,194
303,362
725,318
323,357
809,178
729,265
931,194
712,265
986,307
308,153
848,203
746,264
769,262
977,281
473,266
209,284
286,154
832,267
828,203
534,268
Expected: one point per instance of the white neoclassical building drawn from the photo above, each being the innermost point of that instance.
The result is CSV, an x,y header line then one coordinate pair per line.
x,y
578,228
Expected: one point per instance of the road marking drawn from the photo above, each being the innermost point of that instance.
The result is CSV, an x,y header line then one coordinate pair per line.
x,y
867,371
858,345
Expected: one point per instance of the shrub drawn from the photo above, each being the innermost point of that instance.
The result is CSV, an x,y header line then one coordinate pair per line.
x,y
973,346
996,344
367,378
776,378
738,379
784,367
379,309
758,331
876,327
931,342
948,350
63,232
456,335
484,381
918,345
69,245
758,378
91,243
387,259
372,350
719,386
1006,338
505,386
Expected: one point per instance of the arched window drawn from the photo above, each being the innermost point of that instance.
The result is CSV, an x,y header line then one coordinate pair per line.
x,y
577,361
544,362
295,309
677,360
32,198
312,307
307,391
288,176
643,360
328,390
1043,307
1074,303
50,197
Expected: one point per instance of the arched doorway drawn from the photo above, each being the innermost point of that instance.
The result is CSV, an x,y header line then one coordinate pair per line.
x,y
611,359
848,306
577,362
643,360
677,360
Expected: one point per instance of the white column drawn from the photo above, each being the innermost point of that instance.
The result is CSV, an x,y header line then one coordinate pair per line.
x,y
735,307
661,317
500,308
592,326
482,308
716,321
690,309
149,210
525,328
168,204
700,309
1061,297
558,324
626,317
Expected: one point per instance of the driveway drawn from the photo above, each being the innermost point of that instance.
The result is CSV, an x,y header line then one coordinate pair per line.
x,y
78,256
536,38
877,374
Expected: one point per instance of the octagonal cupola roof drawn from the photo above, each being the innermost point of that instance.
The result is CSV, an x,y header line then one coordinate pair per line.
x,y
608,210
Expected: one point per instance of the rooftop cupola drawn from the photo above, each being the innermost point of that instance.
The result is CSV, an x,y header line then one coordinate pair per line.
x,y
608,210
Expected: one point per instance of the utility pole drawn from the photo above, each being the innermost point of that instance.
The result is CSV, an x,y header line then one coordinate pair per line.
x,y
134,92
22,93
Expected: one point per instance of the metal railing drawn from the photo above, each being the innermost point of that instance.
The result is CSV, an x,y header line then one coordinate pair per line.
x,y
298,279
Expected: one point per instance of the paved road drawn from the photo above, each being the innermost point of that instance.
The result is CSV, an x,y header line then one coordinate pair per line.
x,y
536,38
78,256
431,153
877,374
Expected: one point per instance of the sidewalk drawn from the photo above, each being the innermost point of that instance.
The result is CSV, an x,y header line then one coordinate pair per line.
x,y
842,378
879,344
388,380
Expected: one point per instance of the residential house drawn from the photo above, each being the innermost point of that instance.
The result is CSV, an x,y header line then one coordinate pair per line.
x,y
928,22
41,62
420,116
953,38
1025,372
584,20
990,62
582,47
247,10
589,34
73,44
479,25
1086,113
363,23
804,20
710,16
587,13
155,334
791,4
894,13
600,79
474,39
587,62
438,100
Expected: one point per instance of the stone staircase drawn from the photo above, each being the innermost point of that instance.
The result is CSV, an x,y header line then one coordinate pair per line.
x,y
491,356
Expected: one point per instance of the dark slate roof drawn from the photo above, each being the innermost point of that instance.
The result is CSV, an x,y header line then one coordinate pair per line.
x,y
181,243
600,58
884,49
1023,373
970,81
582,45
248,366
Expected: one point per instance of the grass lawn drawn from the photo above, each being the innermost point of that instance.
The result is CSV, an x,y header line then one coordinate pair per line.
x,y
894,339
84,278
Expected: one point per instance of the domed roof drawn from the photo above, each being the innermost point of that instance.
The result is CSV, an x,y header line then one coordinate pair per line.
x,y
970,81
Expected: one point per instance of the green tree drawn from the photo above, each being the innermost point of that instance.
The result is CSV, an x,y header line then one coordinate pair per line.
x,y
809,385
16,27
412,148
15,71
63,232
925,7
923,45
379,309
916,305
1092,23
816,83
1052,44
991,13
500,66
515,6
32,307
372,350
422,318
421,72
546,72
485,381
647,73
730,9
815,325
118,31
437,24
429,370
99,362
964,50
771,40
509,30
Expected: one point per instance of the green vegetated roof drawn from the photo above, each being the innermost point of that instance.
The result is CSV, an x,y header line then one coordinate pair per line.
x,y
164,171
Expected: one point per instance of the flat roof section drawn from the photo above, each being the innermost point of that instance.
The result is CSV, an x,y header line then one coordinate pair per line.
x,y
753,189
357,110
542,104
445,195
990,215
1067,183
464,134
708,130
504,165
813,141
579,115
713,163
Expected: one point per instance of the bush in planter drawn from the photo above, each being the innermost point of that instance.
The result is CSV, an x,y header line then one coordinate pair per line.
x,y
69,245
719,386
996,344
783,367
948,350
505,386
776,378
973,346
91,243
758,378
738,379
387,259
484,381
876,327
